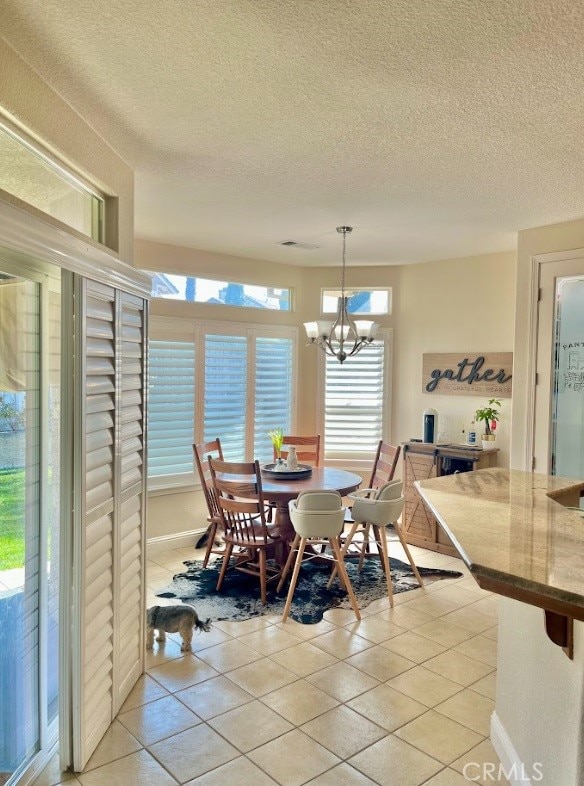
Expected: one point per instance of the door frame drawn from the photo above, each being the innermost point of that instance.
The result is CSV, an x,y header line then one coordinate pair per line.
x,y
537,262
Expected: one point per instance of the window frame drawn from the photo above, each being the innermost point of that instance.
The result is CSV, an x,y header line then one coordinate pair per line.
x,y
181,329
355,460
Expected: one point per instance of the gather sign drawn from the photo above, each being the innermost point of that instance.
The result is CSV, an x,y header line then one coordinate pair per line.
x,y
468,373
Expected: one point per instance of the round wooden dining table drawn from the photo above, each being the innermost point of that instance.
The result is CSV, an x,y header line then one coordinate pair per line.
x,y
280,492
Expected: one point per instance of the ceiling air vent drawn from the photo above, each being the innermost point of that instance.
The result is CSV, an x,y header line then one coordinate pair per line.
x,y
295,244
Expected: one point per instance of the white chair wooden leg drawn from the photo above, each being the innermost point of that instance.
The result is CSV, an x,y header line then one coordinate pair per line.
x,y
294,579
408,554
385,557
347,543
288,564
336,546
364,545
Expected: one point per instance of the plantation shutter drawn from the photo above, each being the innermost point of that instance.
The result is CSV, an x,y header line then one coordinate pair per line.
x,y
226,393
171,407
353,409
273,391
93,690
108,616
129,573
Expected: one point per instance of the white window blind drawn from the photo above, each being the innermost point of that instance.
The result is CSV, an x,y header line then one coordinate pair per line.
x,y
226,393
171,411
273,392
353,407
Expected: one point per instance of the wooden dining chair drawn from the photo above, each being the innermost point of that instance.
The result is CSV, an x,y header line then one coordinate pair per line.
x,y
308,449
238,491
201,452
384,466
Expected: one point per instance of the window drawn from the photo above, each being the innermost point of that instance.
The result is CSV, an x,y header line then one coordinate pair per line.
x,y
363,301
29,175
240,387
356,402
222,293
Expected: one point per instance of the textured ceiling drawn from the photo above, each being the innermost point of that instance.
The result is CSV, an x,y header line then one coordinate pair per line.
x,y
437,129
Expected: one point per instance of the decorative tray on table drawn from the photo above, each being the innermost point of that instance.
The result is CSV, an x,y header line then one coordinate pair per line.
x,y
303,471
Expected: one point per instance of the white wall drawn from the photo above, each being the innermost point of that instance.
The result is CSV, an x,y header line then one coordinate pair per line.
x,y
540,692
458,305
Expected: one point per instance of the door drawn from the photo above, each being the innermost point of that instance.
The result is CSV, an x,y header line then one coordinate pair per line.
x,y
559,392
29,515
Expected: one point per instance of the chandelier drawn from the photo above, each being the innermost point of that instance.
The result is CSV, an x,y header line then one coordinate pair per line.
x,y
344,336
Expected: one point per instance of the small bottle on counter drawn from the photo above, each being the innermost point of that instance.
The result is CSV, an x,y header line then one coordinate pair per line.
x,y
471,436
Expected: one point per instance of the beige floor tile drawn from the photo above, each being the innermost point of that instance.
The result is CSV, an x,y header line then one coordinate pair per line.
x,y
484,753
432,604
480,648
342,681
459,595
306,631
158,575
212,697
145,690
240,628
343,731
457,667
269,640
406,597
163,652
472,585
471,709
439,737
72,781
299,702
339,616
488,605
238,772
116,743
305,758
414,647
375,629
203,640
250,726
387,707
380,663
193,752
486,686
449,777
137,769
182,673
424,686
444,633
159,719
341,643
492,633
472,620
304,659
406,617
261,677
52,773
229,655
392,762
342,775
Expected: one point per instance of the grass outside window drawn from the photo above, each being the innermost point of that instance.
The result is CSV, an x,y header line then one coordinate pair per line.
x,y
11,518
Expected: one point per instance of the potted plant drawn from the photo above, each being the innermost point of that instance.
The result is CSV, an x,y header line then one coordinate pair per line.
x,y
489,415
277,437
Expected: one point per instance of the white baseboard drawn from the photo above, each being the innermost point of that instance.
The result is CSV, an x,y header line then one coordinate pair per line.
x,y
513,767
179,540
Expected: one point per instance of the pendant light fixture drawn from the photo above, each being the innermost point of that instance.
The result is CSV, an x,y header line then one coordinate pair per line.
x,y
345,336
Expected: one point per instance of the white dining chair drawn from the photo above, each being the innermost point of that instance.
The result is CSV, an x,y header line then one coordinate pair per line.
x,y
318,519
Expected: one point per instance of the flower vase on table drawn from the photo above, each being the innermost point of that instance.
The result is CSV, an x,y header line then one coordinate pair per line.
x,y
280,465
292,460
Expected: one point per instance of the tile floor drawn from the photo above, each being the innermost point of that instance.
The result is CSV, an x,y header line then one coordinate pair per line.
x,y
402,698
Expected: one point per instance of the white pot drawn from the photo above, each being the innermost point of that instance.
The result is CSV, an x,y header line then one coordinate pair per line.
x,y
489,441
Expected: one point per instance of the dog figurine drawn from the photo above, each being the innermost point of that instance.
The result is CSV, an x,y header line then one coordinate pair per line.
x,y
173,619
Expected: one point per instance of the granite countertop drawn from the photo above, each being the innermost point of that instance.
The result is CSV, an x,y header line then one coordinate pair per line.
x,y
515,535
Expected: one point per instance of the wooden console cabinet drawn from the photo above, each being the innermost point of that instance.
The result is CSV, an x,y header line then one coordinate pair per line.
x,y
422,461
